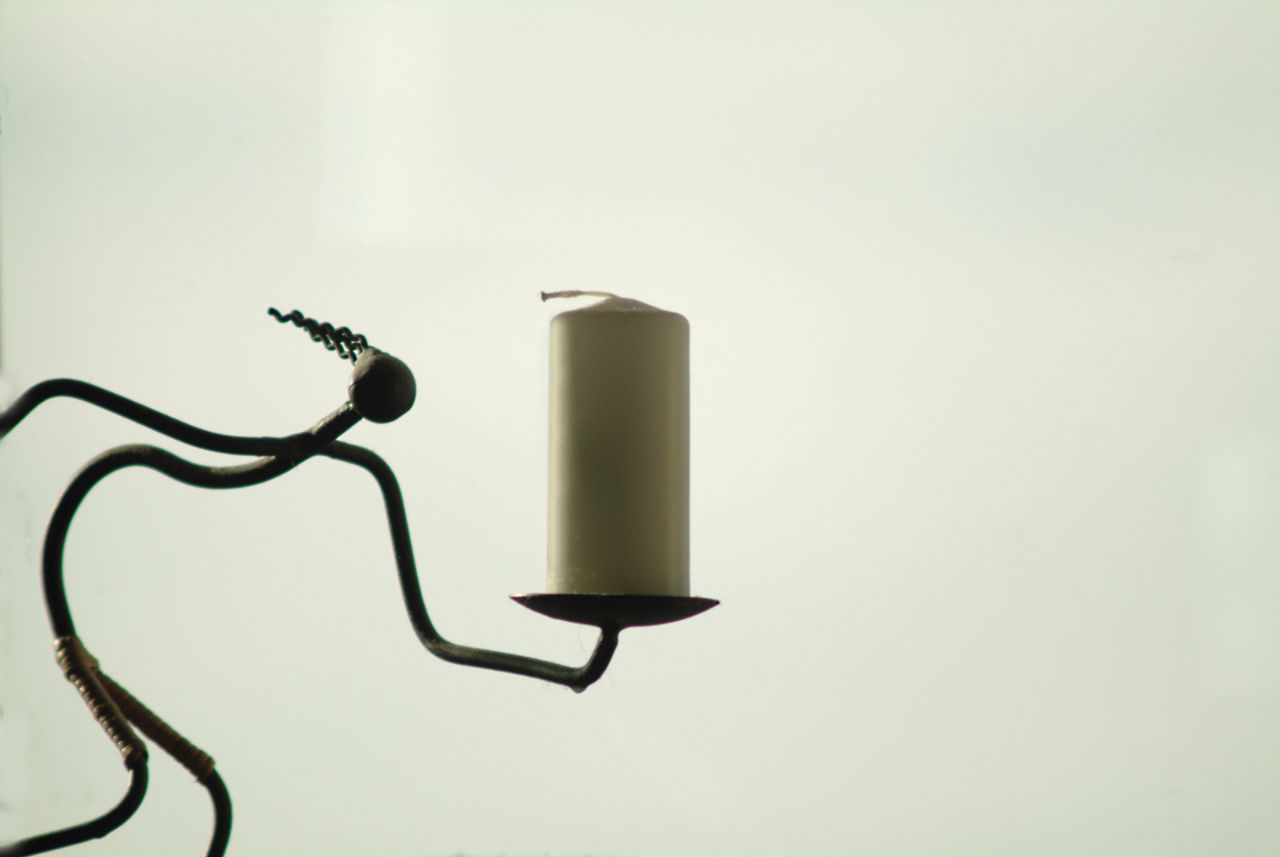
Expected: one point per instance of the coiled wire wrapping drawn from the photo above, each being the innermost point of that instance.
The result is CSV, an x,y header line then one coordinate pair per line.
x,y
116,708
348,344
191,757
81,669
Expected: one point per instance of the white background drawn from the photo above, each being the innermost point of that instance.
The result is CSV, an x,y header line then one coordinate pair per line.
x,y
985,301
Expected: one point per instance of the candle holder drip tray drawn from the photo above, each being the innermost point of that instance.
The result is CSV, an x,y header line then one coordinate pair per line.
x,y
615,611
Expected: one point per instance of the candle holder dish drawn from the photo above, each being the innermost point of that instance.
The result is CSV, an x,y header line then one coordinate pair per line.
x,y
381,389
615,611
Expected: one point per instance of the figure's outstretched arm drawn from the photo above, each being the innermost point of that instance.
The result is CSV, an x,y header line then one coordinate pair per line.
x,y
578,678
37,395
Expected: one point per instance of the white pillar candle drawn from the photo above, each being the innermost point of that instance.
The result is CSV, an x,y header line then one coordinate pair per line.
x,y
619,477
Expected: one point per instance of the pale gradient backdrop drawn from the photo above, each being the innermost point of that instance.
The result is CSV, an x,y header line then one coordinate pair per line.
x,y
985,305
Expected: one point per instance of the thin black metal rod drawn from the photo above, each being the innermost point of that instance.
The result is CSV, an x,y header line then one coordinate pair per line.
x,y
141,455
578,678
141,414
117,459
221,815
95,829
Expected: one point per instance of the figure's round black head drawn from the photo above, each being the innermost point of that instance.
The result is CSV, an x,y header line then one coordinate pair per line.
x,y
382,387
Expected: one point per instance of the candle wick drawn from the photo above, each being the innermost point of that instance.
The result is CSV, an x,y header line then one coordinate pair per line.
x,y
576,293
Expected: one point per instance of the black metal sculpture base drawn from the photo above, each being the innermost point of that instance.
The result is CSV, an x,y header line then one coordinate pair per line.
x,y
615,611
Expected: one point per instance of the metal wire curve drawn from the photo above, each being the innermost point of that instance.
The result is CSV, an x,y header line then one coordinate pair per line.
x,y
139,413
577,678
95,829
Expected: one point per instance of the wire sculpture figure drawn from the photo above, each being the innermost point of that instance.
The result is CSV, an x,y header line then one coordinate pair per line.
x,y
381,389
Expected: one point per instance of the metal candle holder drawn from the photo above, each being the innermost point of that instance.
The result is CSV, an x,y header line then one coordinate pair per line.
x,y
381,389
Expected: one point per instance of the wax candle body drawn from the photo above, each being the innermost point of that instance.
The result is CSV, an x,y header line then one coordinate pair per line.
x,y
619,463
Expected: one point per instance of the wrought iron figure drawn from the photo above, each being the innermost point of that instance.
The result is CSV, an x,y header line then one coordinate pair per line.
x,y
381,389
